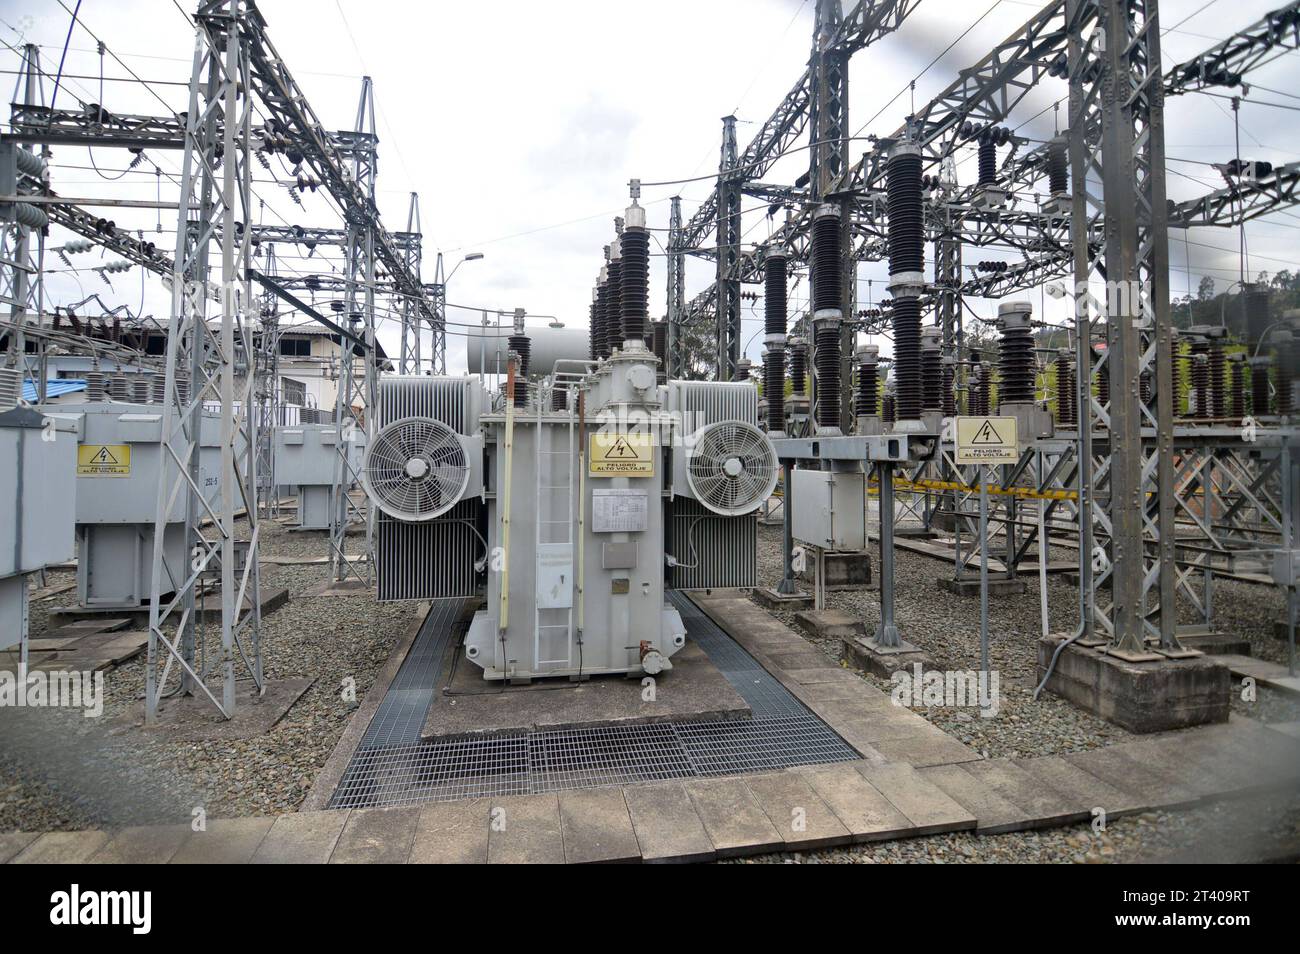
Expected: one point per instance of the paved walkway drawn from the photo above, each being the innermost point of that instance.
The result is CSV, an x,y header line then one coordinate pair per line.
x,y
912,779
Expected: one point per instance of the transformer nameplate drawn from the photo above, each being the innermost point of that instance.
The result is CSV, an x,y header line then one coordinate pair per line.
x,y
619,511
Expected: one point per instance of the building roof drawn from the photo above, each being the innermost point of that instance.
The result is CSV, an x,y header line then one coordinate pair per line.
x,y
54,387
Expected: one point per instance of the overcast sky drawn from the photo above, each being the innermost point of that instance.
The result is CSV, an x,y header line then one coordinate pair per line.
x,y
520,123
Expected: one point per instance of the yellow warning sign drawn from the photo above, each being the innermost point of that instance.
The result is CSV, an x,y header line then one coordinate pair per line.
x,y
104,460
621,455
987,440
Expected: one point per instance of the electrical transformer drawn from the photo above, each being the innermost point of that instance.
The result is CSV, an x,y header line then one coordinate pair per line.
x,y
119,452
307,457
573,498
36,483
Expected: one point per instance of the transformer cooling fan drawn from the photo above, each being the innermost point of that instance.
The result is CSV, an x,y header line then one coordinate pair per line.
x,y
416,469
732,467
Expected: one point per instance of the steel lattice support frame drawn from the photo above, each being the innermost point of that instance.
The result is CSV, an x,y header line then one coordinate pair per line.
x,y
727,286
409,359
22,247
676,261
437,293
355,405
216,179
268,395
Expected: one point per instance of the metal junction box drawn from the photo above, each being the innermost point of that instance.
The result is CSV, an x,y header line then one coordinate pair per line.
x,y
36,485
829,509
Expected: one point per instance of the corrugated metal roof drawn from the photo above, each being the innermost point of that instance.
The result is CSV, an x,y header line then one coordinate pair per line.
x,y
54,387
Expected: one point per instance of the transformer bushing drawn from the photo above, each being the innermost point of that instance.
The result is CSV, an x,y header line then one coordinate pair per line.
x,y
774,331
1237,404
867,398
988,158
743,367
1218,383
1015,354
906,238
1259,371
614,314
1103,379
521,346
1175,375
1199,361
798,366
1064,389
634,279
602,314
827,287
931,371
1058,168
888,409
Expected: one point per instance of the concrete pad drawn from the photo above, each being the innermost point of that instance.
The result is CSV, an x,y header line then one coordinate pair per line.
x,y
993,813
227,841
62,848
867,654
597,827
926,749
1110,765
451,833
13,842
1269,674
830,624
1043,805
1140,696
1184,766
376,836
859,805
195,719
307,838
143,845
735,822
1080,789
797,812
929,808
769,598
526,829
693,689
999,585
666,824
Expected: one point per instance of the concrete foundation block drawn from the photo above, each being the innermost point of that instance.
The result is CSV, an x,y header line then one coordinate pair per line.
x,y
830,624
769,598
843,569
999,585
867,654
1151,696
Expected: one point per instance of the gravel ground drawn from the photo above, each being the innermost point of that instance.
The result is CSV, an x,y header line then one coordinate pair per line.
x,y
64,771
1263,828
947,627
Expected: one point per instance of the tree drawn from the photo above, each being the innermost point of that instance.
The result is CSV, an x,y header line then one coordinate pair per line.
x,y
1205,290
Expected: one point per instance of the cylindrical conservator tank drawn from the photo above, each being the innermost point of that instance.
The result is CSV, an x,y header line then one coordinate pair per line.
x,y
487,350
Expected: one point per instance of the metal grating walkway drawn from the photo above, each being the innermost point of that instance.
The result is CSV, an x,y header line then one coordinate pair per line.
x,y
393,767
